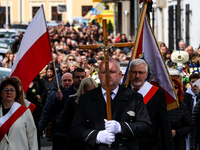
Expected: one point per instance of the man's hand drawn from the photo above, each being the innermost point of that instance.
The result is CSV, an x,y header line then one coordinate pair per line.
x,y
59,95
38,96
173,133
105,137
112,126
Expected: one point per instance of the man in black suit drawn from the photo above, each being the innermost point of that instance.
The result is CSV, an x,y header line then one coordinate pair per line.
x,y
154,98
129,114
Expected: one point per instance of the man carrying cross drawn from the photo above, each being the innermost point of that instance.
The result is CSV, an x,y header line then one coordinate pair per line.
x,y
130,118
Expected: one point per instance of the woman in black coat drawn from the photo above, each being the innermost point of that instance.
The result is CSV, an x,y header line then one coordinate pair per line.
x,y
46,82
69,111
180,119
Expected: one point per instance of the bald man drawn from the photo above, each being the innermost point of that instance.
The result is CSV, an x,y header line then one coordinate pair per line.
x,y
129,114
67,80
49,111
63,70
192,57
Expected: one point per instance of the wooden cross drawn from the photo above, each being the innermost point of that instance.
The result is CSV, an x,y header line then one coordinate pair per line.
x,y
106,48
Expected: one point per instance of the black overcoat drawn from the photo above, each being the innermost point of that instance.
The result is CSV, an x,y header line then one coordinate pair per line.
x,y
161,136
130,112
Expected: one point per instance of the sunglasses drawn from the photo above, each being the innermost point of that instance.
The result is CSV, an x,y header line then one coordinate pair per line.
x,y
7,90
71,59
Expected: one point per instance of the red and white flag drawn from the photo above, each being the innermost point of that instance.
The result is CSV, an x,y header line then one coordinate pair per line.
x,y
158,69
143,0
34,51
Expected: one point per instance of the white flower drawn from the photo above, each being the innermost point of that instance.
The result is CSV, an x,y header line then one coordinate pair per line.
x,y
33,90
96,78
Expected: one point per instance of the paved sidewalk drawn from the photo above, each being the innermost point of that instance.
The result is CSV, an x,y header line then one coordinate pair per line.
x,y
46,144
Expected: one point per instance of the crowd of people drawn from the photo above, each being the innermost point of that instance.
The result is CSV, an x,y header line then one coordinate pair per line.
x,y
191,65
71,112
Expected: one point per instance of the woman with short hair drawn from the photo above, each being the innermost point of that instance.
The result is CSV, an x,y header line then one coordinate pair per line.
x,y
17,127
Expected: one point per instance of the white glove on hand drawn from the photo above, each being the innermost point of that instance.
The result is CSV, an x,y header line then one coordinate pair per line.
x,y
105,137
112,126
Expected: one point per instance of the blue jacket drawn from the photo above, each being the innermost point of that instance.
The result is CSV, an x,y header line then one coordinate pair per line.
x,y
59,129
47,111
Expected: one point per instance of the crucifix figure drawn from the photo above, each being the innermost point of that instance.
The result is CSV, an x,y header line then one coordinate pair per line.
x,y
106,48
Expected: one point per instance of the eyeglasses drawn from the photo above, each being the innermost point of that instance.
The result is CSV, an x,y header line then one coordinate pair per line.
x,y
138,72
7,90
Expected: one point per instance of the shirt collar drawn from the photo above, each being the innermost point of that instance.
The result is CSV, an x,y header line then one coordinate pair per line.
x,y
114,91
132,87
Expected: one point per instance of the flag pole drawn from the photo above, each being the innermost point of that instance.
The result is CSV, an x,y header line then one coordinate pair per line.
x,y
145,3
54,66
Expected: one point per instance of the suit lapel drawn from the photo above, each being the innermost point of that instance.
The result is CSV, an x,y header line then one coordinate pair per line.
x,y
1,114
121,104
99,104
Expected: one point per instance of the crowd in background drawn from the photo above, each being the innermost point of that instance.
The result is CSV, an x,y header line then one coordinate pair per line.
x,y
69,58
191,65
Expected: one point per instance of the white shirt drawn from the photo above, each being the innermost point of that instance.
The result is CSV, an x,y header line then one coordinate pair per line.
x,y
112,95
194,97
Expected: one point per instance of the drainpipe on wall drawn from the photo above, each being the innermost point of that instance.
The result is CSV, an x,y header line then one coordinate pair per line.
x,y
6,14
20,11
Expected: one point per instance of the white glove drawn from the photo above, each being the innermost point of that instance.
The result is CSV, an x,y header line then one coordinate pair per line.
x,y
112,126
105,137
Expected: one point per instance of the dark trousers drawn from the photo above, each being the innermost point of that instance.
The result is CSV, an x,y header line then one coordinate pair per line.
x,y
58,142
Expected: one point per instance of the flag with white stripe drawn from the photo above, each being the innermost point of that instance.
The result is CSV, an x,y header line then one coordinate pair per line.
x,y
158,68
34,51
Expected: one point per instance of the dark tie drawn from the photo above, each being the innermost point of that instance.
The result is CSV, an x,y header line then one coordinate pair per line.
x,y
111,95
136,89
